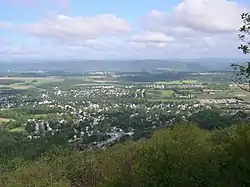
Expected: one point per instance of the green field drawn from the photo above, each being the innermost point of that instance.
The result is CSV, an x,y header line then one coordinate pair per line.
x,y
176,100
40,115
167,93
159,94
91,84
234,92
28,82
18,129
4,120
178,82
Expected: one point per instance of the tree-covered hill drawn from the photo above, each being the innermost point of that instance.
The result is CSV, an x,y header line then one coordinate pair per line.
x,y
179,156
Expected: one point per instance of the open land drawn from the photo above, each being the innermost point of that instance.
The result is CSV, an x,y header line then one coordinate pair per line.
x,y
4,120
109,89
26,82
102,103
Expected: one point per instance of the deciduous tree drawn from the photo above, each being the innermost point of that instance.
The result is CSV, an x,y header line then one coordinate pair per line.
x,y
242,72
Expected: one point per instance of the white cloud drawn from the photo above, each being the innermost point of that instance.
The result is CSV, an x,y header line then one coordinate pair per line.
x,y
152,37
194,28
209,16
78,28
199,27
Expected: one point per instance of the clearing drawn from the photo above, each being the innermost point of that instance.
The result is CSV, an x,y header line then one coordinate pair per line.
x,y
28,82
156,94
18,129
178,82
4,120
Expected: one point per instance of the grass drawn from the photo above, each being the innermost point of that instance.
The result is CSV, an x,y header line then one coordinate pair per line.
x,y
167,93
92,84
223,94
4,120
157,94
29,82
18,129
40,115
18,86
172,100
178,82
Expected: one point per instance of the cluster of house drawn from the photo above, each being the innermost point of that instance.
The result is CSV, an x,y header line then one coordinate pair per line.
x,y
14,101
115,91
88,118
220,101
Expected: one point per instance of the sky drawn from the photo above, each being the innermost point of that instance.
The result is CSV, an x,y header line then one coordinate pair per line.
x,y
120,29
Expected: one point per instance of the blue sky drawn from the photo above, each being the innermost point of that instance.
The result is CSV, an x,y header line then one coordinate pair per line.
x,y
44,29
130,10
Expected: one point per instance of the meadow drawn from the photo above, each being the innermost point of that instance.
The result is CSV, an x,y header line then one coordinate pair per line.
x,y
4,120
26,82
18,129
159,93
177,82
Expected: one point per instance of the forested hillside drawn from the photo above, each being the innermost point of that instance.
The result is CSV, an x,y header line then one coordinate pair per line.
x,y
179,156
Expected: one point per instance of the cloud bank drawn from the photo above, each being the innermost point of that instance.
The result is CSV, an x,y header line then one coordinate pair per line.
x,y
193,28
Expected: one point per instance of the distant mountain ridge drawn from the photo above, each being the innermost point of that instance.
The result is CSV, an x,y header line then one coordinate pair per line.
x,y
196,65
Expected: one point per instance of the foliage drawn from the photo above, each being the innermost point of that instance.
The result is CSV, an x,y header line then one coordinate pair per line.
x,y
148,77
212,119
176,156
242,72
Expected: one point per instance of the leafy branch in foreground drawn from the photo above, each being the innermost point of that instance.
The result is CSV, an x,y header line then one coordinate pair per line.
x,y
241,75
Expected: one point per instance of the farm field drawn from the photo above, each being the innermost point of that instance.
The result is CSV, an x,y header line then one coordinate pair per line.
x,y
18,129
175,100
26,82
40,115
219,93
91,84
4,120
178,82
159,93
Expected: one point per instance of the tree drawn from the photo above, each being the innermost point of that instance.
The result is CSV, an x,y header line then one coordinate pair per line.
x,y
242,72
211,119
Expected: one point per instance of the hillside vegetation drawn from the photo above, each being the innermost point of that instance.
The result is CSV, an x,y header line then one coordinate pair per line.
x,y
179,156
